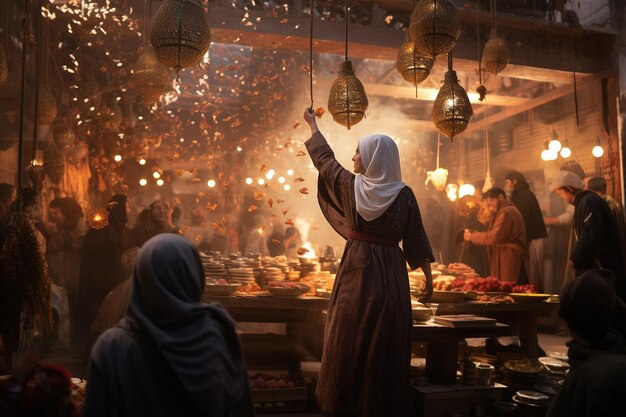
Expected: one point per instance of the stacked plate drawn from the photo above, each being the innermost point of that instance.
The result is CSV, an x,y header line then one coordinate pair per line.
x,y
522,373
241,275
531,403
555,367
214,270
274,274
306,268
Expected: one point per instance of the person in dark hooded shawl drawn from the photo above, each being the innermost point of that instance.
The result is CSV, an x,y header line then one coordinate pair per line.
x,y
171,355
367,341
596,317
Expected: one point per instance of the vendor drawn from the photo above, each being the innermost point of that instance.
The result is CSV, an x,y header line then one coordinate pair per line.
x,y
505,239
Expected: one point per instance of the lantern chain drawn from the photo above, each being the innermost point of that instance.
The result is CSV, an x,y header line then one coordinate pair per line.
x,y
311,50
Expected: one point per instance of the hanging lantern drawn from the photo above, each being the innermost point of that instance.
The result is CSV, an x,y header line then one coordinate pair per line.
x,y
54,164
150,77
496,54
62,133
413,66
434,27
4,69
347,101
180,33
452,192
452,109
47,106
98,218
438,178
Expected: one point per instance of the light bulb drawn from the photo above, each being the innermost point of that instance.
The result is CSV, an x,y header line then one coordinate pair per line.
x,y
566,152
211,183
143,182
117,158
554,145
546,155
156,175
261,181
270,174
290,172
142,161
287,187
451,192
249,181
597,151
466,189
160,182
281,180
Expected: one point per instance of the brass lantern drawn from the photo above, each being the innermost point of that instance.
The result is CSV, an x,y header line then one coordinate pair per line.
x,y
180,33
496,54
347,101
4,69
150,77
434,27
413,66
452,109
47,106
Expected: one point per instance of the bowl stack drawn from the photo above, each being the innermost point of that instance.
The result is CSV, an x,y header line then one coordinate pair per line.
x,y
213,269
241,275
531,403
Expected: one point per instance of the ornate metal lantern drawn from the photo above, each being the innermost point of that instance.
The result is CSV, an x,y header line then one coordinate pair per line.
x,y
48,110
452,109
434,27
180,33
496,54
150,77
413,66
347,101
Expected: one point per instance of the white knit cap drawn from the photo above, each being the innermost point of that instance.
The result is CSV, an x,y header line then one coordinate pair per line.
x,y
566,179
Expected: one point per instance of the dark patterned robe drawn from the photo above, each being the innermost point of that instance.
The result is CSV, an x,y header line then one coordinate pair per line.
x,y
367,341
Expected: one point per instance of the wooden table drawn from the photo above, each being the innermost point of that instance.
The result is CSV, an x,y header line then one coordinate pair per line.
x,y
304,316
443,346
522,317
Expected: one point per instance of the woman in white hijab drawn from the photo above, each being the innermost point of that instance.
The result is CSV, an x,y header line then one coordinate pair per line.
x,y
367,341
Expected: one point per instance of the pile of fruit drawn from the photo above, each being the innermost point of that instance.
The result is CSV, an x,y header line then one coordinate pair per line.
x,y
489,284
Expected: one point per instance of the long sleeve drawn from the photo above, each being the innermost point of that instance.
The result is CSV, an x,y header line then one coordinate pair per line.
x,y
498,233
331,176
415,242
99,401
591,226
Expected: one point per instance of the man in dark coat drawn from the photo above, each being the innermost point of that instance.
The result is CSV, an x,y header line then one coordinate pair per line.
x,y
526,202
598,186
598,243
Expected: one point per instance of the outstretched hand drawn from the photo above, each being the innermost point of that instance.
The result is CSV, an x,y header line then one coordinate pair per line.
x,y
309,117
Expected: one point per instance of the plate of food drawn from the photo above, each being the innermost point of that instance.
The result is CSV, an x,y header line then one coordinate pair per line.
x,y
287,289
529,298
220,288
524,366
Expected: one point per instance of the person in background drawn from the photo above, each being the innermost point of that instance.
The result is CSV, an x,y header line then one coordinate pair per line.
x,y
293,242
101,266
276,244
505,239
146,366
526,202
598,186
7,197
199,233
38,390
64,241
155,219
596,317
598,244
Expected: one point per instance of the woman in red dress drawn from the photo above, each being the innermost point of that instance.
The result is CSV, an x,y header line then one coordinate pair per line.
x,y
367,342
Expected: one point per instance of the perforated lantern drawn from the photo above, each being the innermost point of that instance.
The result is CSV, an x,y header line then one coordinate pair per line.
x,y
496,54
452,109
180,33
150,77
47,106
434,27
347,101
438,178
413,66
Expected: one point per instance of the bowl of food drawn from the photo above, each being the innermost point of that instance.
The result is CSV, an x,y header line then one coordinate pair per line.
x,y
287,289
220,288
421,313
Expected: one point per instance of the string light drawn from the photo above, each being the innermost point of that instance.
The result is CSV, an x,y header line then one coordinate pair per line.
x,y
249,181
143,182
281,180
597,151
117,158
261,181
211,183
290,172
142,161
286,187
156,175
160,182
270,174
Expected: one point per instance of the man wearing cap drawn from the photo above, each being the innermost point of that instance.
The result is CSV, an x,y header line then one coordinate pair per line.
x,y
598,245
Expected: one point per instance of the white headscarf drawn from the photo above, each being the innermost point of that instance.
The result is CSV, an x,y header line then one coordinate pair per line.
x,y
378,188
